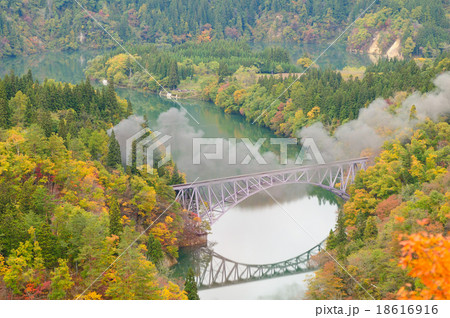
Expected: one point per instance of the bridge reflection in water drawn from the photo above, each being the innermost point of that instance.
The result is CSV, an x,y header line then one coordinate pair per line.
x,y
217,271
211,199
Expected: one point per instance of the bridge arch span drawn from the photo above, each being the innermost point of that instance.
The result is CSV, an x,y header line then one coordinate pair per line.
x,y
211,199
218,271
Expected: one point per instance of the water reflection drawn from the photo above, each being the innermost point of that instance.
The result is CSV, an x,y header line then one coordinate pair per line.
x,y
60,66
259,231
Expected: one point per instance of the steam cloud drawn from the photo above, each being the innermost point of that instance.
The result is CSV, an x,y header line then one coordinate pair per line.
x,y
376,124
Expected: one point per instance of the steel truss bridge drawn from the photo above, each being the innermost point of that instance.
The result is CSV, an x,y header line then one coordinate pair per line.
x,y
217,271
211,199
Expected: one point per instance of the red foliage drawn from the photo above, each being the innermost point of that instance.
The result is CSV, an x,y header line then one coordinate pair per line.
x,y
33,292
232,33
385,207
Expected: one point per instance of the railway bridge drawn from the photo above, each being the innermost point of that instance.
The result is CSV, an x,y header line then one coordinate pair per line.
x,y
211,199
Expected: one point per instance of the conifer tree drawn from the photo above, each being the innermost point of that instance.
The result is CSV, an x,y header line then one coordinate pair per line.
x,y
190,286
29,113
47,242
113,158
154,251
5,111
371,230
173,75
331,241
223,71
5,114
176,177
341,236
115,216
129,108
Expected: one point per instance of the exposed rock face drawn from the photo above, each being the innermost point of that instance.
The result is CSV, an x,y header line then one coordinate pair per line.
x,y
395,50
375,51
374,48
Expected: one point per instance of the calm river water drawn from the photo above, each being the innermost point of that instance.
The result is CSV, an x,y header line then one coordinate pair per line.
x,y
257,231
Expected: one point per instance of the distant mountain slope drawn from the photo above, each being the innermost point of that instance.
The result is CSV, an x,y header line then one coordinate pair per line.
x,y
34,25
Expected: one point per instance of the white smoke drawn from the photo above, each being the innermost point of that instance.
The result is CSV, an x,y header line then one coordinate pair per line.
x,y
125,129
175,123
377,123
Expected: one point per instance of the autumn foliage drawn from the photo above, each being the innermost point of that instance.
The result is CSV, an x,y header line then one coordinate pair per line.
x,y
427,258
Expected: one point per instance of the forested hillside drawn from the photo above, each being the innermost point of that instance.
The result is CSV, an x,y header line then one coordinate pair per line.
x,y
320,95
392,235
68,208
30,26
194,62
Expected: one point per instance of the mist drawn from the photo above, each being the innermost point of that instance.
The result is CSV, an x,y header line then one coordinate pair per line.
x,y
376,124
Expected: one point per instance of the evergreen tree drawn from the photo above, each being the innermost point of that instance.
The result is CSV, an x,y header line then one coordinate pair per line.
x,y
112,108
115,216
113,158
5,111
173,75
154,251
5,114
341,236
176,177
331,241
29,113
48,242
371,230
46,122
190,286
129,108
223,71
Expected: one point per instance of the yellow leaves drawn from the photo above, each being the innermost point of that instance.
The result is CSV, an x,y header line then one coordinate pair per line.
x,y
15,138
428,258
144,197
361,202
173,292
417,169
90,296
31,231
125,220
166,237
314,112
299,114
238,96
304,61
3,267
117,65
168,220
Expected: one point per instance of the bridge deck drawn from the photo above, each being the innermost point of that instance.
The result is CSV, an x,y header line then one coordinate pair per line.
x,y
270,172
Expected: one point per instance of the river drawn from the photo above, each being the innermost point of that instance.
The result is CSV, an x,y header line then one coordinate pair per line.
x,y
257,231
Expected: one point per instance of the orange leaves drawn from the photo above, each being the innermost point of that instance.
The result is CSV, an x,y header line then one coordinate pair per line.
x,y
423,222
428,258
